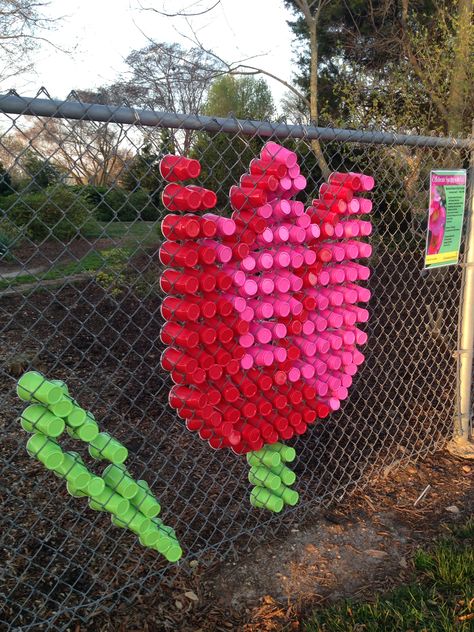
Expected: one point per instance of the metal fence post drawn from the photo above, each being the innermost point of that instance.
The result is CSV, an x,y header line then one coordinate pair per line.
x,y
462,443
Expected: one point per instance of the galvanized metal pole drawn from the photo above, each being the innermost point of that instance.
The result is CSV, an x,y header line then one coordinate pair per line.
x,y
462,443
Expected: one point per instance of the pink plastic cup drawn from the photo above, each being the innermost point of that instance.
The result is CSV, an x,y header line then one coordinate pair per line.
x,y
262,309
238,302
363,272
296,282
266,284
249,288
266,237
261,334
296,235
280,209
223,253
297,208
359,314
284,184
347,314
278,330
248,264
334,340
280,234
333,362
353,207
320,387
273,151
312,232
282,284
350,295
336,274
261,357
331,402
299,183
294,171
296,256
237,276
365,205
322,301
248,314
281,258
344,379
351,250
308,327
320,323
363,294
335,297
349,369
304,220
265,211
264,261
333,382
294,374
341,393
367,182
307,347
246,340
307,370
225,226
334,318
344,272
280,307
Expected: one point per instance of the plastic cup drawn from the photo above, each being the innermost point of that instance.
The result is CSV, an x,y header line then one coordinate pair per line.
x,y
32,386
103,446
62,385
37,418
74,471
286,452
144,500
133,520
263,476
174,168
263,498
118,479
278,153
264,457
289,496
108,500
63,408
87,432
45,450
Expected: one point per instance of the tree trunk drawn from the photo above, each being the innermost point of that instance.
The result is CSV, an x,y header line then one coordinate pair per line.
x,y
313,88
458,88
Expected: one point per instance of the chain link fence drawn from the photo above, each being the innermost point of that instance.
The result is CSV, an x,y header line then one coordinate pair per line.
x,y
80,211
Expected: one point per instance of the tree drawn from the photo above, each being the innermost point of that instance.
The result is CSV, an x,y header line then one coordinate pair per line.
x,y
5,181
244,97
142,171
222,161
22,27
40,172
170,78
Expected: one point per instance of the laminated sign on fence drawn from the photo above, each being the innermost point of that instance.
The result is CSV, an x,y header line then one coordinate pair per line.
x,y
445,219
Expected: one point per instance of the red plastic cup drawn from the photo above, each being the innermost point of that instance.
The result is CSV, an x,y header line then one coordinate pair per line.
x,y
172,333
267,167
367,182
335,192
172,359
244,198
178,198
174,281
174,168
207,198
184,254
181,396
350,180
173,308
266,182
175,227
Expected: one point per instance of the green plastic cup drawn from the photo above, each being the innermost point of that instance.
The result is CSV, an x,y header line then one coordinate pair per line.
x,y
268,458
77,416
32,386
37,418
163,543
96,486
133,520
164,528
88,432
103,446
289,496
288,477
263,498
117,477
287,453
263,476
74,491
108,500
174,553
73,471
151,537
45,450
63,408
62,385
144,501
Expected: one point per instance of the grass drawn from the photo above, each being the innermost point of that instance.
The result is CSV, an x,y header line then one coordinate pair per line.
x,y
129,237
439,599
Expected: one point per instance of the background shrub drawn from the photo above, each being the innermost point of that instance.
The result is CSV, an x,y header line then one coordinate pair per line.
x,y
116,204
56,211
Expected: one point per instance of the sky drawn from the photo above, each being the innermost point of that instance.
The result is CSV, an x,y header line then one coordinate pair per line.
x,y
99,34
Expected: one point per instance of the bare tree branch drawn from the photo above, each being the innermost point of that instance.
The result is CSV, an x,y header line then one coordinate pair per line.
x,y
183,13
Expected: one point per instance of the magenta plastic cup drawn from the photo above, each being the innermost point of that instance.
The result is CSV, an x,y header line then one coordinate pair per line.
x,y
334,339
263,309
320,367
273,151
365,205
360,336
320,323
334,318
237,276
265,211
331,402
348,273
349,369
294,171
307,347
307,370
350,229
225,226
264,261
266,285
336,274
347,313
333,382
312,232
248,264
340,393
261,334
246,340
281,259
281,234
281,306
361,315
358,357
248,314
296,208
278,330
353,207
239,303
367,182
296,282
333,362
309,257
249,288
320,387
294,374
280,353
322,301
308,327
282,284
280,209
284,184
346,380
247,361
351,249
335,297
350,295
261,357
299,183
266,237
348,336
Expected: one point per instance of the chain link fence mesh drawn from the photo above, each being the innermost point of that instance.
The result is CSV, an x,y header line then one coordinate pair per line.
x,y
80,215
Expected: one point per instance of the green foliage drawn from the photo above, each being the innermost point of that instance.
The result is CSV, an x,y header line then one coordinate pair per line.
x,y
439,601
40,173
10,237
244,97
5,181
57,211
119,205
223,161
111,276
143,172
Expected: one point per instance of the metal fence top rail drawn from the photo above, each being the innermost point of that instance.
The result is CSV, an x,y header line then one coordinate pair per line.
x,y
14,104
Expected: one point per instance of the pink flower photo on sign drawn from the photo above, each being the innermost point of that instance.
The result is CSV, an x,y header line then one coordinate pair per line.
x,y
436,220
